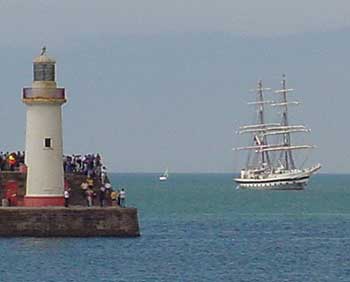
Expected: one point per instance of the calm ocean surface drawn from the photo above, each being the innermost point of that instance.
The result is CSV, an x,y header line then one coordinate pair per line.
x,y
198,227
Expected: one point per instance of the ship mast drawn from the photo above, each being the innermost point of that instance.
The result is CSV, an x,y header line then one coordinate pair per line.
x,y
261,139
261,130
287,154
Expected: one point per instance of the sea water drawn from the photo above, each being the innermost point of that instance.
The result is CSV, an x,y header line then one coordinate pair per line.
x,y
198,227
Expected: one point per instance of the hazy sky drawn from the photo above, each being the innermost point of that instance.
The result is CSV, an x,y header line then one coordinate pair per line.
x,y
155,84
48,19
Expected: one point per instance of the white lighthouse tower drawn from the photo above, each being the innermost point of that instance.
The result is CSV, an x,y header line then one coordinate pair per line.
x,y
44,148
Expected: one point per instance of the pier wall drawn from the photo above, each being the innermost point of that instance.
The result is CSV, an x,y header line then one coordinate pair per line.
x,y
75,221
68,222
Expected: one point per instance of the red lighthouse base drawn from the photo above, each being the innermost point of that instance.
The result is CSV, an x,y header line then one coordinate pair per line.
x,y
36,201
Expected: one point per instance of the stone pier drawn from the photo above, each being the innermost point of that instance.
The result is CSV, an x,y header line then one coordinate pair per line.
x,y
75,221
68,222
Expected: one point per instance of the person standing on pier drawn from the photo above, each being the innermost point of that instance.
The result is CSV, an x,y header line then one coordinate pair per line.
x,y
114,197
89,194
102,195
122,196
66,198
103,174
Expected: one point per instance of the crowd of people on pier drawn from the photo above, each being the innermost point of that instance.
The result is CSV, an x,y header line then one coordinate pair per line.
x,y
106,194
90,164
11,161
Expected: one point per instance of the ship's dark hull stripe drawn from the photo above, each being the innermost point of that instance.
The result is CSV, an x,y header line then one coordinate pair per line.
x,y
270,181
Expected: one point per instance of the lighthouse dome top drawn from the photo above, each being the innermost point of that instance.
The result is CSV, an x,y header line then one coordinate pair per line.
x,y
43,58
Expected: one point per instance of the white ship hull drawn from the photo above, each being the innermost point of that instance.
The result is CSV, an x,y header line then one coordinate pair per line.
x,y
163,178
287,184
284,181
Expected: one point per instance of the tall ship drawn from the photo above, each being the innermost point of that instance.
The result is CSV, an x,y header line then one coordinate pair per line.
x,y
270,164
